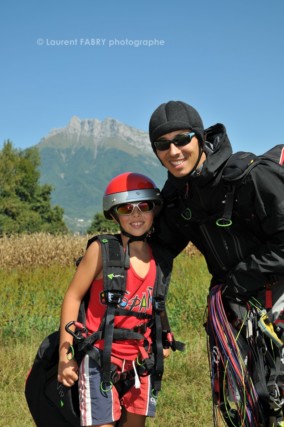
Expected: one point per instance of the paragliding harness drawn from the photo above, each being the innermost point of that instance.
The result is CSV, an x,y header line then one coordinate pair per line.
x,y
246,356
245,348
114,279
51,403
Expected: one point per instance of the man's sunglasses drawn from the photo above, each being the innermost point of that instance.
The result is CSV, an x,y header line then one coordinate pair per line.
x,y
128,208
179,140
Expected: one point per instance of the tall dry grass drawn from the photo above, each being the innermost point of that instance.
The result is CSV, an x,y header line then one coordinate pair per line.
x,y
43,249
40,249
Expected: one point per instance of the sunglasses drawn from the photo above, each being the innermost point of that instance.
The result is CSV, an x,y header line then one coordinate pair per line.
x,y
179,141
128,208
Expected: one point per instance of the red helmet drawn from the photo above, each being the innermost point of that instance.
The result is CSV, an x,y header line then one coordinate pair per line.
x,y
127,188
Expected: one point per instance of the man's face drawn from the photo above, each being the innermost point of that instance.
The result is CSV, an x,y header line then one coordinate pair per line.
x,y
180,160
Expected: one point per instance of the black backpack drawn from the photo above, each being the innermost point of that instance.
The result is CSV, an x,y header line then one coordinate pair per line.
x,y
50,402
239,166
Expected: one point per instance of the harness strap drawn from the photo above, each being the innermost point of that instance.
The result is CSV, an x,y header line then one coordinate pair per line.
x,y
259,371
159,366
113,265
158,307
110,334
226,219
237,167
122,312
108,338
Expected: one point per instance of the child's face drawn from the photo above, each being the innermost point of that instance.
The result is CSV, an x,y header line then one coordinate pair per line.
x,y
139,220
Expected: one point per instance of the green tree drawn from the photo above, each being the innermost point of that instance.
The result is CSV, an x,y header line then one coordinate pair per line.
x,y
25,205
102,225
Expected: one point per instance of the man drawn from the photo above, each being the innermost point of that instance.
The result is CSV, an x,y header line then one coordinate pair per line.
x,y
238,228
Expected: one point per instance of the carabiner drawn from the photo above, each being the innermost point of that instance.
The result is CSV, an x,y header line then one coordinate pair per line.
x,y
80,332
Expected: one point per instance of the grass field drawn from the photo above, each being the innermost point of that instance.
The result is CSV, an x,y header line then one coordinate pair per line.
x,y
34,274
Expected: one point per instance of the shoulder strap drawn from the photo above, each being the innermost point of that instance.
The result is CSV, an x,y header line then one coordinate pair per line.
x,y
113,262
236,169
114,279
238,166
241,163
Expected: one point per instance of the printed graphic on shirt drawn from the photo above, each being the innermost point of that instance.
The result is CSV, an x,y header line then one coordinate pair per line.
x,y
138,302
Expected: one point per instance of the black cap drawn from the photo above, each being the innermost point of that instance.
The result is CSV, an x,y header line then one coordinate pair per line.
x,y
172,116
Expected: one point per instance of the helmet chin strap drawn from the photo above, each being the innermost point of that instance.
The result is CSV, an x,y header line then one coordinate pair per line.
x,y
131,239
201,151
134,238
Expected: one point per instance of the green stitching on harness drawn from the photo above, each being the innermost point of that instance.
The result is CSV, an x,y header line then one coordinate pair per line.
x,y
186,214
104,240
142,363
222,222
112,276
105,390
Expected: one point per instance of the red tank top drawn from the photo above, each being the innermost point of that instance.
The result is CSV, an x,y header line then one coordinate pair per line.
x,y
138,297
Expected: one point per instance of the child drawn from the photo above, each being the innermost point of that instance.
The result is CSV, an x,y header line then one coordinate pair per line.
x,y
132,200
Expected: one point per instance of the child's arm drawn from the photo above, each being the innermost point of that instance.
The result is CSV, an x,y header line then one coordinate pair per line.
x,y
89,268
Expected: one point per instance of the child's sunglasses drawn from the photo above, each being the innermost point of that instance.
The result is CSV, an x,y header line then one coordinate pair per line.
x,y
179,140
128,208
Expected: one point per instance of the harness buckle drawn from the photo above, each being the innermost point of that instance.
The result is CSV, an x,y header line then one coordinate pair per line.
x,y
111,297
141,329
159,305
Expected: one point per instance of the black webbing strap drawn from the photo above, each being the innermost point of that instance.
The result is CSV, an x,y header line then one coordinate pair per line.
x,y
258,374
275,381
127,334
111,333
108,338
122,312
158,308
114,280
226,219
235,170
159,362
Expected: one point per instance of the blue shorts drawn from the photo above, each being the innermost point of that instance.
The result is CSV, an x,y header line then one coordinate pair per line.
x,y
99,406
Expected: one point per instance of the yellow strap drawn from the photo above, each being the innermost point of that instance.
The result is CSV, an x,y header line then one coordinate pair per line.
x,y
267,328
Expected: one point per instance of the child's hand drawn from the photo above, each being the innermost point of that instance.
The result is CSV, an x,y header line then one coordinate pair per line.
x,y
67,372
166,352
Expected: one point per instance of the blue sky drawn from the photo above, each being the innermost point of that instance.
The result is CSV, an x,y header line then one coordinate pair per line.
x,y
61,58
